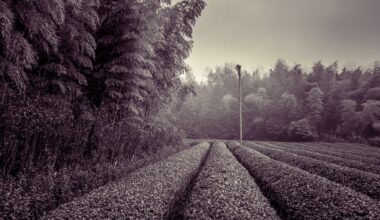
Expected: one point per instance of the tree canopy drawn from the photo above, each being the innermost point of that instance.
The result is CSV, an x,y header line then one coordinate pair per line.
x,y
287,104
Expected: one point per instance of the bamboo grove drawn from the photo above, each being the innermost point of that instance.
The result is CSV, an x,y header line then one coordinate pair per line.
x,y
88,81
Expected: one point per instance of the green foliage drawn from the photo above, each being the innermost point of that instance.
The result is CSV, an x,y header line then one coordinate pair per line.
x,y
31,194
290,187
370,118
301,130
373,94
147,193
315,106
17,55
366,183
84,83
307,150
276,128
336,104
77,47
348,118
287,107
125,52
228,183
177,31
371,111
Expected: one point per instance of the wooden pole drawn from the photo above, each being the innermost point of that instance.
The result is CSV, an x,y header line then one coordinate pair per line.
x,y
238,68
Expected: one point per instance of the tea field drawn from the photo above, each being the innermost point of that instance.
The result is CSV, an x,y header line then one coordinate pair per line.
x,y
214,179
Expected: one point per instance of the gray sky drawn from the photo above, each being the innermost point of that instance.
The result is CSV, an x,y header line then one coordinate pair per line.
x,y
255,33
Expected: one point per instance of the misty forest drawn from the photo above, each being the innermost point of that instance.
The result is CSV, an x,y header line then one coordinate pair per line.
x,y
286,104
96,96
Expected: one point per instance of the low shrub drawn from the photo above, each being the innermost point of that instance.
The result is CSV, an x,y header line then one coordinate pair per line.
x,y
323,157
232,145
363,154
357,180
301,195
355,149
359,146
31,194
348,154
224,189
147,193
191,142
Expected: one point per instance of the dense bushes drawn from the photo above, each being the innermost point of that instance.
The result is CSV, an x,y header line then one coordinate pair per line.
x,y
31,194
357,180
301,195
339,153
148,193
360,150
40,132
80,92
86,87
301,131
224,190
356,149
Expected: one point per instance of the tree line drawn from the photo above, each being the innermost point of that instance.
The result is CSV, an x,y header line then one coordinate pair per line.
x,y
287,104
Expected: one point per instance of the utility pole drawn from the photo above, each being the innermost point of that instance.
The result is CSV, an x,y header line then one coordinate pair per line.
x,y
238,68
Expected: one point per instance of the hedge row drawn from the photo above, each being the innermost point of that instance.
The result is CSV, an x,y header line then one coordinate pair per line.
x,y
31,194
364,182
347,154
360,150
224,189
148,193
363,151
353,146
301,195
313,147
372,168
358,145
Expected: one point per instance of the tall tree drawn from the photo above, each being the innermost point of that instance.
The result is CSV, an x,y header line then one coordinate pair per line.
x,y
278,79
349,119
77,48
315,107
17,54
370,117
317,73
125,55
177,27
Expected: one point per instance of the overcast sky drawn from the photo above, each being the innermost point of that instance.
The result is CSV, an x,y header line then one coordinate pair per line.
x,y
255,33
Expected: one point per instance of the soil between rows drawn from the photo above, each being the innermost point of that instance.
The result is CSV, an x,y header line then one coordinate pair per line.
x,y
279,211
177,211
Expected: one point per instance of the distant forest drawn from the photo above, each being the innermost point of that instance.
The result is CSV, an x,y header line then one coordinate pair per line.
x,y
287,104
